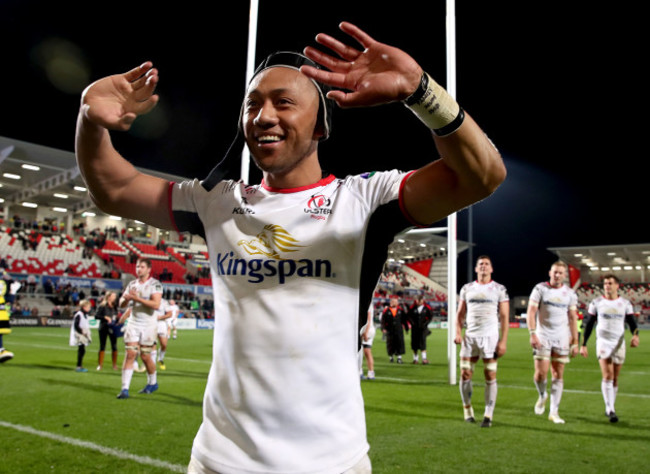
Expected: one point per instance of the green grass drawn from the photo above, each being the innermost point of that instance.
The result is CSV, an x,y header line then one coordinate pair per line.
x,y
414,416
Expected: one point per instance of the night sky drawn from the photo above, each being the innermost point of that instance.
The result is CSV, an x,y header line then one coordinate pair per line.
x,y
557,89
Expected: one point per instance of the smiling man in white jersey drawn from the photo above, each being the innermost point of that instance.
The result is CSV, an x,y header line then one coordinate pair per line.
x,y
610,312
285,254
552,323
143,296
485,306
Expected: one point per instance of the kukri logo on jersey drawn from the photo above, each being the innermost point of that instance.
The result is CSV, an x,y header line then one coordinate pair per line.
x,y
272,244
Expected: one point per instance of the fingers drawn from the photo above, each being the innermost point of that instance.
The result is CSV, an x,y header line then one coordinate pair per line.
x,y
363,38
344,51
139,71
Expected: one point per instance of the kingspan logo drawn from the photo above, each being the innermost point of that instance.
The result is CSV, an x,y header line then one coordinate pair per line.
x,y
271,244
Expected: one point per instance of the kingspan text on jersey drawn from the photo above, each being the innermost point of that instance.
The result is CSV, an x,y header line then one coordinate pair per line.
x,y
257,269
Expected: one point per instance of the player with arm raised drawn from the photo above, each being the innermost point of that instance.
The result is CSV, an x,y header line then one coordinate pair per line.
x,y
286,284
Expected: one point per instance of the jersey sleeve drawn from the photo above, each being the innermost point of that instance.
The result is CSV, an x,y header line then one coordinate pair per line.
x,y
462,296
503,294
535,296
573,303
378,187
184,207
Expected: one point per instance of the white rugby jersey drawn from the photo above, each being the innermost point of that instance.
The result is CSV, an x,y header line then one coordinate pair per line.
x,y
553,309
482,300
141,314
611,316
283,393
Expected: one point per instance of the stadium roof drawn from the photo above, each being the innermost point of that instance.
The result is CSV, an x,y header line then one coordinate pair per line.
x,y
52,180
45,177
630,261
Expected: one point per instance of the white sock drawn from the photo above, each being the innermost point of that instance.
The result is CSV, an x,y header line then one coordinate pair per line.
x,y
541,387
490,397
151,378
154,354
607,388
127,374
161,357
415,357
424,355
614,393
360,358
466,392
557,386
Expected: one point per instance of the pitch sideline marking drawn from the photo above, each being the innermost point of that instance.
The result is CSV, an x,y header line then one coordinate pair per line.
x,y
96,447
517,387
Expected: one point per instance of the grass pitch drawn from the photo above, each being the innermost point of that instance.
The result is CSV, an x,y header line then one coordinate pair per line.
x,y
56,420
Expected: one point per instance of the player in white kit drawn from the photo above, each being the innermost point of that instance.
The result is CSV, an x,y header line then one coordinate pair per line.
x,y
610,312
143,296
484,306
285,254
163,315
552,317
172,322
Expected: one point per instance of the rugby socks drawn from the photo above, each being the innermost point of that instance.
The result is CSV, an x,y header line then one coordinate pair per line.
x,y
127,375
541,387
557,386
490,397
466,392
607,387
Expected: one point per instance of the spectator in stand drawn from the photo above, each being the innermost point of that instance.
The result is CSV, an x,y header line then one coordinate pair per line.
x,y
31,283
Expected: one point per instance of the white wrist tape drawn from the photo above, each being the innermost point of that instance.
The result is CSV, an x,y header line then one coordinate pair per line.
x,y
435,107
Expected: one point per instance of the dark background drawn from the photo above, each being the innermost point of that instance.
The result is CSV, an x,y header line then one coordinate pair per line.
x,y
559,89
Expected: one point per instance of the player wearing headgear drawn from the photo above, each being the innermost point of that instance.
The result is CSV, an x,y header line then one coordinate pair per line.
x,y
552,323
285,253
484,307
143,296
610,312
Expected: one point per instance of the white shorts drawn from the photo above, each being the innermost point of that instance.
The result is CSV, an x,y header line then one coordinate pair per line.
x,y
362,467
143,335
371,335
162,328
556,346
606,349
480,346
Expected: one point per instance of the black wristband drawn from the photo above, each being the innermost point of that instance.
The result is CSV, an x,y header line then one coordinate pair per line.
x,y
452,126
419,92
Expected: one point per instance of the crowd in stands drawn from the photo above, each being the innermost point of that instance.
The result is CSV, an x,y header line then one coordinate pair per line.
x,y
39,248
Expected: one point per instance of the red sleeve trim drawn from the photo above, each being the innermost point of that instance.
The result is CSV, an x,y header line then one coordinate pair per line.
x,y
401,202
